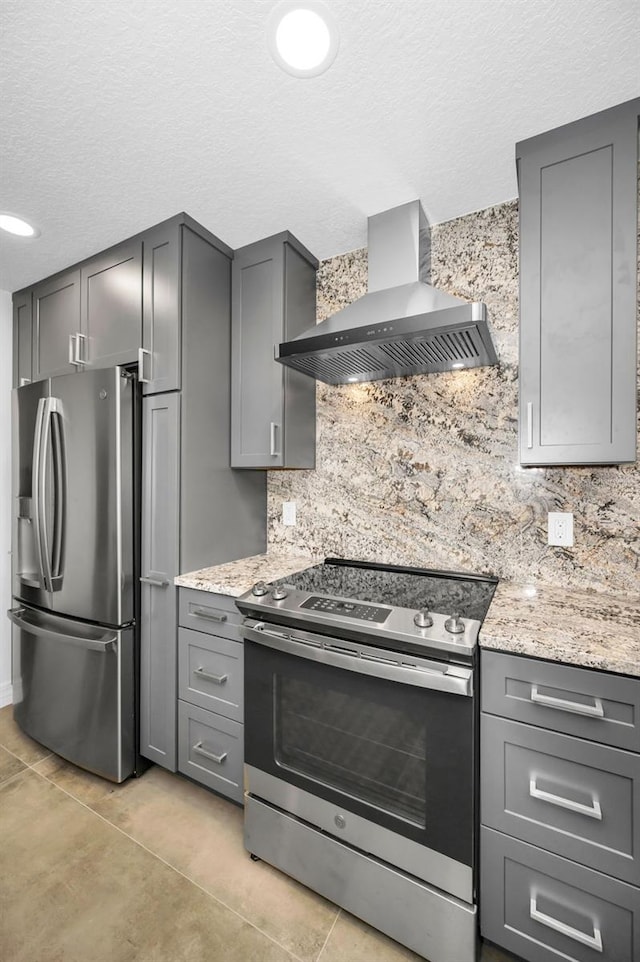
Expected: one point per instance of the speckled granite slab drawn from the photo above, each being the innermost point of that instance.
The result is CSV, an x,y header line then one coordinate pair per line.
x,y
236,577
589,629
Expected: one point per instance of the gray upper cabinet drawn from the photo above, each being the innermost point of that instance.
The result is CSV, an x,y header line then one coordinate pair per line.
x,y
160,363
578,188
273,408
111,306
22,338
56,324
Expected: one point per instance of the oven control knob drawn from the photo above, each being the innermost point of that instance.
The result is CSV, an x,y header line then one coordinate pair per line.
x,y
279,593
454,625
340,821
260,589
423,619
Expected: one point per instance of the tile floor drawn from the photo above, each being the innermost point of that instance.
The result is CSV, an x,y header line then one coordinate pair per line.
x,y
153,870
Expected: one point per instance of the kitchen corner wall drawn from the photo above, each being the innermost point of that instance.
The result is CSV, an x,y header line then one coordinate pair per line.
x,y
424,470
5,494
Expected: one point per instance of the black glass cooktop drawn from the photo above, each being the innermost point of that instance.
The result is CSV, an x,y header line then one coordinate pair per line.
x,y
440,591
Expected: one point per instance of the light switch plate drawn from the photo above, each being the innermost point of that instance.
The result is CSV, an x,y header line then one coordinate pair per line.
x,y
560,528
288,512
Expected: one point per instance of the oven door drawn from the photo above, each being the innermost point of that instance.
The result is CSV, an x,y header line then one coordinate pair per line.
x,y
373,747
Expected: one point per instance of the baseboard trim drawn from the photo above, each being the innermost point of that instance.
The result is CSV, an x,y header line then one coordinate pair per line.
x,y
6,694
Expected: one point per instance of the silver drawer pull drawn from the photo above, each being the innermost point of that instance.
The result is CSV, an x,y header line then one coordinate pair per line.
x,y
208,613
199,750
563,704
155,582
593,941
593,810
216,679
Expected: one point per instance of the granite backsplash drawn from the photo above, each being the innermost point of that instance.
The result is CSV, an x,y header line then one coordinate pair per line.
x,y
424,470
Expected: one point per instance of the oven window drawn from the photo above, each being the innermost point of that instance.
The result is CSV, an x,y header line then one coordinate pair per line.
x,y
374,753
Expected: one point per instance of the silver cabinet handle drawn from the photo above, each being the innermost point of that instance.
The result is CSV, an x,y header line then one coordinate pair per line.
x,y
155,582
80,355
216,679
207,613
142,353
529,424
273,428
593,810
564,704
72,349
593,941
199,750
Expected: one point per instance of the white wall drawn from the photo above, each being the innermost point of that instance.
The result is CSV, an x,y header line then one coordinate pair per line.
x,y
5,495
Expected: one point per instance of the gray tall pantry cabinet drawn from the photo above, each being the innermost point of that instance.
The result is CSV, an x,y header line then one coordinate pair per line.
x,y
161,301
578,189
197,511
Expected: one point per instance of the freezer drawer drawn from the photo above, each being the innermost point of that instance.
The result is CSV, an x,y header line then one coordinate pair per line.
x,y
73,690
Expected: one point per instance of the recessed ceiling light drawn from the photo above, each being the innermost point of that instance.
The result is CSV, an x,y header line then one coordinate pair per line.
x,y
16,225
303,37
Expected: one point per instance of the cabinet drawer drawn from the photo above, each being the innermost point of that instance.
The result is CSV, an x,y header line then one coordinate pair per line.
x,y
591,704
568,796
211,749
211,672
211,613
544,908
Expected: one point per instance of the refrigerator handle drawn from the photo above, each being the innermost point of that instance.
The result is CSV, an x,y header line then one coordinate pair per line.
x,y
16,615
59,458
37,490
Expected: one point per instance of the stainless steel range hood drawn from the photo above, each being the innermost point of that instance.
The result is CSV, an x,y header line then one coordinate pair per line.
x,y
402,325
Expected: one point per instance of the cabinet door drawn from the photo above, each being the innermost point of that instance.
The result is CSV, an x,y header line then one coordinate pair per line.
x,y
22,338
257,379
56,321
111,313
272,407
161,308
578,252
159,564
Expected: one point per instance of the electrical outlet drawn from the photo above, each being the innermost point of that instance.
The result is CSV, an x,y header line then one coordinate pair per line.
x,y
288,512
560,528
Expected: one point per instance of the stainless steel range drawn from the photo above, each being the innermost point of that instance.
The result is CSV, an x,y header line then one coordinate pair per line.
x,y
360,743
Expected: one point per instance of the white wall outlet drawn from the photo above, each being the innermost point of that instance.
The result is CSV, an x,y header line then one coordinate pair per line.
x,y
288,512
560,528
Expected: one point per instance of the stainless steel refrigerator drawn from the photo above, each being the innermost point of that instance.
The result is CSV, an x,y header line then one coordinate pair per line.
x,y
74,567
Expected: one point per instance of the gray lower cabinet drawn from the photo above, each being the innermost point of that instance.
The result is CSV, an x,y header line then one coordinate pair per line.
x,y
273,407
211,692
22,338
578,190
560,810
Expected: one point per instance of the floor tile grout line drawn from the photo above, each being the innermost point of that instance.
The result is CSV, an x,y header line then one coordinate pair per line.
x,y
172,867
27,764
13,777
338,913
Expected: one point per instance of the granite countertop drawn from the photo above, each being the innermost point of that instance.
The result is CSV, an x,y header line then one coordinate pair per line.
x,y
236,577
588,629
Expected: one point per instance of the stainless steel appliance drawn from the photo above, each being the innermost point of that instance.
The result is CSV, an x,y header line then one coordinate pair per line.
x,y
360,732
402,325
74,567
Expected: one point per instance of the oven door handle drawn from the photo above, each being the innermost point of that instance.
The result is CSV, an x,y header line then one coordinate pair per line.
x,y
450,678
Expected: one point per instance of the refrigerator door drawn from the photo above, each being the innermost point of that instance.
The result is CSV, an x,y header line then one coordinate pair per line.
x,y
73,690
77,467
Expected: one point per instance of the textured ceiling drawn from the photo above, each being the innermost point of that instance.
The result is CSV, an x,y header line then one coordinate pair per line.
x,y
119,113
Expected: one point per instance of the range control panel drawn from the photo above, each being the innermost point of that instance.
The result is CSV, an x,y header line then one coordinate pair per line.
x,y
348,609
